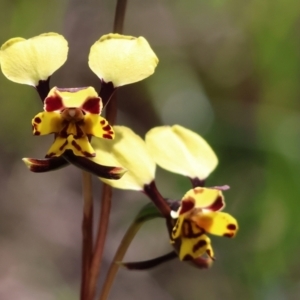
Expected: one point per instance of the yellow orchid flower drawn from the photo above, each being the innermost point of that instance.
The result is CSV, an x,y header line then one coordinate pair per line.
x,y
73,116
198,214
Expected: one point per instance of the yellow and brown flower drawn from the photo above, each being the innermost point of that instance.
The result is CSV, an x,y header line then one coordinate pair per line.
x,y
199,214
73,116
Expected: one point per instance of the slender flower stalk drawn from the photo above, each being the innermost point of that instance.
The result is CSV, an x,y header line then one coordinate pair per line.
x,y
146,213
152,192
114,266
87,231
110,101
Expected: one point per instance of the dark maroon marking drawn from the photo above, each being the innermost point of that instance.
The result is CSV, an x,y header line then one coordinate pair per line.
x,y
53,103
199,245
110,132
43,88
217,205
229,235
92,105
87,154
196,182
37,133
106,92
50,155
209,254
186,205
79,132
107,128
107,136
37,120
231,226
188,257
198,190
76,145
64,132
189,232
63,145
102,122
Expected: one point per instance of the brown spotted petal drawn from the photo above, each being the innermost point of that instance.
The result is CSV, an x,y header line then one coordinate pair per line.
x,y
204,198
194,246
88,165
45,165
218,223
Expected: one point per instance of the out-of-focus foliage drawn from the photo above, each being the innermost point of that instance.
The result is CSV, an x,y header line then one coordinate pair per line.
x,y
229,70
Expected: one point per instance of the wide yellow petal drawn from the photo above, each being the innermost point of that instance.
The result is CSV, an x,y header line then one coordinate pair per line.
x,y
122,59
80,146
218,223
127,150
29,61
46,123
204,198
97,126
180,150
192,248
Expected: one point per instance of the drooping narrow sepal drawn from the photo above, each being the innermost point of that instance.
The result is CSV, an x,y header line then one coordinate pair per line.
x,y
45,165
148,264
108,172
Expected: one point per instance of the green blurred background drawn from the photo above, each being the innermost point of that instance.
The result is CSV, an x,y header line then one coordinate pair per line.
x,y
228,70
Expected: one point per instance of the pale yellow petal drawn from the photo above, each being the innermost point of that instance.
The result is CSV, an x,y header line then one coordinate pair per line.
x,y
29,61
127,150
122,59
180,150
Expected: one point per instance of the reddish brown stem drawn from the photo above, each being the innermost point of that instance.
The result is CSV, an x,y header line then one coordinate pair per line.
x,y
111,114
99,247
152,192
87,232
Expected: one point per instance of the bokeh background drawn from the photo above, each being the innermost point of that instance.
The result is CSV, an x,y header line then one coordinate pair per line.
x,y
228,70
